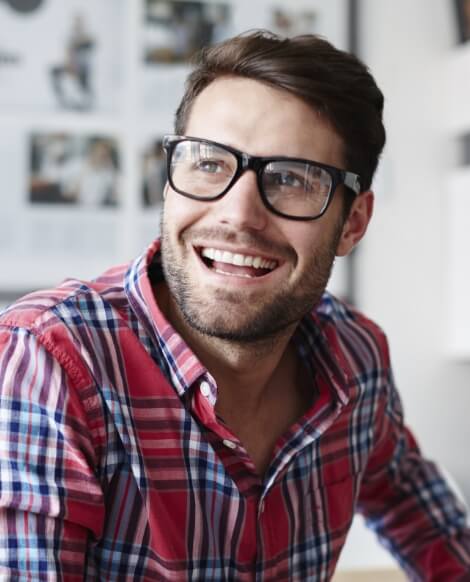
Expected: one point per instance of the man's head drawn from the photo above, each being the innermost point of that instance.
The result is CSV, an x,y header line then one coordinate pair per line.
x,y
334,83
253,260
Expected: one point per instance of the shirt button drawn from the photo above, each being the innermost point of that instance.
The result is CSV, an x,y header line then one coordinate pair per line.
x,y
229,444
205,389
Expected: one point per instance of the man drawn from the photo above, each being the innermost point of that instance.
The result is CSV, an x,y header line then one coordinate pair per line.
x,y
208,412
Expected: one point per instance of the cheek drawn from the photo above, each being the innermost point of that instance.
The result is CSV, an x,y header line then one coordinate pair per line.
x,y
314,241
180,212
304,239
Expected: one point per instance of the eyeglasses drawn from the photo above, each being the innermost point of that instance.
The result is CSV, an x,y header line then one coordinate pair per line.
x,y
290,187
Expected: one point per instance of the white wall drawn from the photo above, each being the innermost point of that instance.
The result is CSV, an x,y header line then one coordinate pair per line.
x,y
402,262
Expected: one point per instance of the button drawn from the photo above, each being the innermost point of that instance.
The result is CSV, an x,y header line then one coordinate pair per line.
x,y
205,389
229,444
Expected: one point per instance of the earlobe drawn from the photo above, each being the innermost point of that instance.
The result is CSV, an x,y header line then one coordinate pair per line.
x,y
356,224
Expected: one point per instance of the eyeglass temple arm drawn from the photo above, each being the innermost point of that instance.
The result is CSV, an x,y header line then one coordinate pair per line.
x,y
352,181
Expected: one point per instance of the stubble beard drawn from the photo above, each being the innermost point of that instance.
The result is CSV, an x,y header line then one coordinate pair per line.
x,y
272,315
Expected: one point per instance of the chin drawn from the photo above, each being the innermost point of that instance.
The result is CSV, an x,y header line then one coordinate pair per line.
x,y
228,325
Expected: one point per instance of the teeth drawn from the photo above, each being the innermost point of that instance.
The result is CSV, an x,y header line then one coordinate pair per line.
x,y
209,253
238,259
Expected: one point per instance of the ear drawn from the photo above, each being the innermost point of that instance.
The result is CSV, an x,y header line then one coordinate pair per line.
x,y
356,224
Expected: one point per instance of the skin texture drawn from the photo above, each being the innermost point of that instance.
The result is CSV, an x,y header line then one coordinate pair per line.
x,y
240,327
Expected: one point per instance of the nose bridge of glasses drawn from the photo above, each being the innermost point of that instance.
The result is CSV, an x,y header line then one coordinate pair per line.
x,y
248,162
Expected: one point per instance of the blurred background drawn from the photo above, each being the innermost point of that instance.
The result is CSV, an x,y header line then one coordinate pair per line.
x,y
87,89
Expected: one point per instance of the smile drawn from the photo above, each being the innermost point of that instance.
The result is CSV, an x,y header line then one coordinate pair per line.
x,y
236,264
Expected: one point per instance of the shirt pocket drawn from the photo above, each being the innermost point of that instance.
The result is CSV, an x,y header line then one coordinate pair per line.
x,y
333,504
330,513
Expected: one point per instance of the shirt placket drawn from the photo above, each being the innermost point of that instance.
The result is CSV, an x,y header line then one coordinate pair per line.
x,y
322,416
226,444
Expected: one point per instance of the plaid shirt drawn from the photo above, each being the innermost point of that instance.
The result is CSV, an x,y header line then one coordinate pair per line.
x,y
114,465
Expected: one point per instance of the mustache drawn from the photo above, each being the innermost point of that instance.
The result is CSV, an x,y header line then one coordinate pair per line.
x,y
252,239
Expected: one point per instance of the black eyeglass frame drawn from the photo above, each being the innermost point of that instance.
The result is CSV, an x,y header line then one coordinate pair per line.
x,y
257,163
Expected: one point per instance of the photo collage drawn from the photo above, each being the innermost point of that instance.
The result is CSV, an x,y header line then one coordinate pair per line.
x,y
87,91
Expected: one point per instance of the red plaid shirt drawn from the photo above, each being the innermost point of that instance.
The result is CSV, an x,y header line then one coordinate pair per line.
x,y
114,465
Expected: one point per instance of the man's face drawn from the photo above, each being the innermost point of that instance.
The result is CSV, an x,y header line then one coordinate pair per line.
x,y
286,262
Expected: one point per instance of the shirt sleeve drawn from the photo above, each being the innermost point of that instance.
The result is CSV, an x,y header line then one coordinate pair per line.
x,y
51,503
406,500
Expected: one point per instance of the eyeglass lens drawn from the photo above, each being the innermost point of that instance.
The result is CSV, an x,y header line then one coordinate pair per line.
x,y
204,170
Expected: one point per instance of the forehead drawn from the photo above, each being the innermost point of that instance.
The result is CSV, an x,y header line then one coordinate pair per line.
x,y
262,120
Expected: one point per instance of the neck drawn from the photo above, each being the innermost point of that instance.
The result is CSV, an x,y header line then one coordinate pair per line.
x,y
244,371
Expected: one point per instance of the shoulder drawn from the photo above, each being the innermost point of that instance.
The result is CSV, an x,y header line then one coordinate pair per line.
x,y
67,320
38,310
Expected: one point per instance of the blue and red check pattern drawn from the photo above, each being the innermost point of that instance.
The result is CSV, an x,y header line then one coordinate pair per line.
x,y
114,465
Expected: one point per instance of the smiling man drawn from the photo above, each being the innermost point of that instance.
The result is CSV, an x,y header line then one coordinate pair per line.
x,y
209,412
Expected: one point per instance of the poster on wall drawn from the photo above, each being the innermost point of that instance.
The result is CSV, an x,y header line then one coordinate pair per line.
x,y
61,195
61,56
74,170
175,30
171,33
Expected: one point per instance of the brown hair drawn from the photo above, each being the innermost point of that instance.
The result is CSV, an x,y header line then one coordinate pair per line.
x,y
335,83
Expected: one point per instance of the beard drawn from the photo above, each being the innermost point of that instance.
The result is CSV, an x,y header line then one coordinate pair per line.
x,y
232,315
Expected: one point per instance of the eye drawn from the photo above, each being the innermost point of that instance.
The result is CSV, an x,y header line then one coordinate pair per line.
x,y
285,179
210,166
291,180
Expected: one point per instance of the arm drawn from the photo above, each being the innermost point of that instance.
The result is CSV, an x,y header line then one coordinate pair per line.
x,y
50,500
406,500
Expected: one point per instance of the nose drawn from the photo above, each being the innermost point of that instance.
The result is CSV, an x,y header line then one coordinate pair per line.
x,y
242,206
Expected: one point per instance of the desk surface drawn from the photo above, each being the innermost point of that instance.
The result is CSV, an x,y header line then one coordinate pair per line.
x,y
373,575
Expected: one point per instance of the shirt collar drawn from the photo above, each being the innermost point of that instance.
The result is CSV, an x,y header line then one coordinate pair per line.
x,y
182,365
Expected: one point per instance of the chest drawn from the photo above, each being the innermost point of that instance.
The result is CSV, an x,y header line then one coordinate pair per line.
x,y
173,481
259,432
202,510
